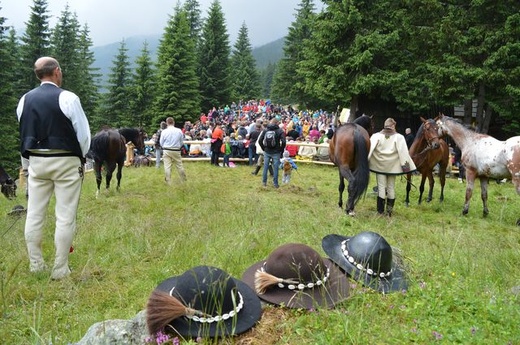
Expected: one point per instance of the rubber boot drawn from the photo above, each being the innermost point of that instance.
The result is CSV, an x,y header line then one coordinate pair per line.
x,y
389,206
380,205
257,169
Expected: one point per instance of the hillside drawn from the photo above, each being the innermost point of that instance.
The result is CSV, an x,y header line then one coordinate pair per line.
x,y
105,55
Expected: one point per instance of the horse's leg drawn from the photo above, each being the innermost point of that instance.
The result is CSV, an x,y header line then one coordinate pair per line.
x,y
421,186
408,188
431,182
110,170
470,184
341,189
119,174
346,173
97,171
442,178
484,195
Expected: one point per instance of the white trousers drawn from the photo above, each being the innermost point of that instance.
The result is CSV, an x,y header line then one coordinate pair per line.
x,y
385,186
63,177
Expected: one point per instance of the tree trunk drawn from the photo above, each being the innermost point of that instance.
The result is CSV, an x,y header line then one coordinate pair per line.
x,y
354,106
488,114
468,111
480,108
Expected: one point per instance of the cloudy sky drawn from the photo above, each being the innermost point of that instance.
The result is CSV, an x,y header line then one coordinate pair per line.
x,y
113,20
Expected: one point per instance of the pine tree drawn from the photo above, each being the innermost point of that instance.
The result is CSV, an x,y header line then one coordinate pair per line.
x,y
35,42
178,93
289,86
89,76
117,101
143,88
245,78
10,153
214,55
65,48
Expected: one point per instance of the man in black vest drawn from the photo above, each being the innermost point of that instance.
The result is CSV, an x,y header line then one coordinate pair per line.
x,y
55,137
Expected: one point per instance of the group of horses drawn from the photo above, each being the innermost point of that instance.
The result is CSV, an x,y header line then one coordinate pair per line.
x,y
108,149
483,157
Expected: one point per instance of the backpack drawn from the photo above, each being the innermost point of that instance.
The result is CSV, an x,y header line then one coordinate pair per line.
x,y
270,139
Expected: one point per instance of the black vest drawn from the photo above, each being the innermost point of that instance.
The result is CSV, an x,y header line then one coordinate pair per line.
x,y
44,126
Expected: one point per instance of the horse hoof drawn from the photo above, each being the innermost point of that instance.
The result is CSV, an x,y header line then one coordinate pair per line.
x,y
351,213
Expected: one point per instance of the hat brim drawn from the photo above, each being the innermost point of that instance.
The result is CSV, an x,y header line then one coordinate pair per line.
x,y
327,296
246,318
331,244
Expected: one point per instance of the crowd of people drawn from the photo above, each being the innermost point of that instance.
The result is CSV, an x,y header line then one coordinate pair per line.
x,y
239,127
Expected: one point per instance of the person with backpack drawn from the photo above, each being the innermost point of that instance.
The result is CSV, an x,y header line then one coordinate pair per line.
x,y
272,141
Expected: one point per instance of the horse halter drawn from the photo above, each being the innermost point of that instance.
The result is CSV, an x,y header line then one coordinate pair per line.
x,y
432,140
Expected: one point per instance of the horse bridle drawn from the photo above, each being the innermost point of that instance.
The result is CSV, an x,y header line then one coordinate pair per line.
x,y
429,140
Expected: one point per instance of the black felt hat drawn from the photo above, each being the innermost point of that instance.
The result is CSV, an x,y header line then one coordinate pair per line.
x,y
203,302
294,275
368,258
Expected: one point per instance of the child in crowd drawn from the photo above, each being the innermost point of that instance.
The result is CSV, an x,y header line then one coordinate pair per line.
x,y
226,150
287,165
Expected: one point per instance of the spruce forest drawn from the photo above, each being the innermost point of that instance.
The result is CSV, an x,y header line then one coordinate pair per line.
x,y
400,58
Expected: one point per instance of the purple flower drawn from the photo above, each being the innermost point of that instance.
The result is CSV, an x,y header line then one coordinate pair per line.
x,y
473,330
422,285
414,330
437,335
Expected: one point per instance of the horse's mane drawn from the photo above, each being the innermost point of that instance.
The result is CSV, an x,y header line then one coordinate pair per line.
x,y
365,121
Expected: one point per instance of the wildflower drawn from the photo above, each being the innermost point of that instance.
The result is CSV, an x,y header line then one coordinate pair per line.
x,y
453,274
422,285
414,330
437,335
473,330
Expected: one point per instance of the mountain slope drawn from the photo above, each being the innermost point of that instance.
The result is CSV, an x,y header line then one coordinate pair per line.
x,y
105,55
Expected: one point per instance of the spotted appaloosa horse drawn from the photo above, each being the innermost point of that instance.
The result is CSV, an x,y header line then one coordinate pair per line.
x,y
8,184
484,157
348,150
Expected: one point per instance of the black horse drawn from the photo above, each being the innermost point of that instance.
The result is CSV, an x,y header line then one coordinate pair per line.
x,y
136,136
108,149
8,184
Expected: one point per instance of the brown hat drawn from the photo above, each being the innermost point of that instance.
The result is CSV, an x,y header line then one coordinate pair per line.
x,y
296,276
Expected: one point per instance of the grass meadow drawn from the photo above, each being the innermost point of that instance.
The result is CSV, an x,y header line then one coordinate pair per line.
x,y
463,271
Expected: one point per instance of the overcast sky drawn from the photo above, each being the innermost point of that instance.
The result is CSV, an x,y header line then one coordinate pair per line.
x,y
114,20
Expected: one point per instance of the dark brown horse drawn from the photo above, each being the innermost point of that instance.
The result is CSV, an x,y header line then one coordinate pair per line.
x,y
8,184
136,136
108,149
348,150
427,151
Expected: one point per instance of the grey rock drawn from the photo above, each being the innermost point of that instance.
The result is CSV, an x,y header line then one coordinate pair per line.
x,y
120,332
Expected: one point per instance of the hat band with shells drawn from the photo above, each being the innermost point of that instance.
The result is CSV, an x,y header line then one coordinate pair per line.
x,y
292,284
200,316
359,266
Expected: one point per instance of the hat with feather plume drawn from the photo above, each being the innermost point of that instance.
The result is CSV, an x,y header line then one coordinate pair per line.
x,y
295,276
202,302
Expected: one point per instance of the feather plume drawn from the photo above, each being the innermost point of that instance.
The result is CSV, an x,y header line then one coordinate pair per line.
x,y
263,280
161,309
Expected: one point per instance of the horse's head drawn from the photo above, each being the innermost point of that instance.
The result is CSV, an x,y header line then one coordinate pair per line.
x,y
9,189
440,121
431,133
366,122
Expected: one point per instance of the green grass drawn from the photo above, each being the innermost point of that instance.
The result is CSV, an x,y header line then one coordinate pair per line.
x,y
463,271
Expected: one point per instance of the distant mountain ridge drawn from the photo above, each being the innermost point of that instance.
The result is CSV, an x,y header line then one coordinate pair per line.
x,y
264,55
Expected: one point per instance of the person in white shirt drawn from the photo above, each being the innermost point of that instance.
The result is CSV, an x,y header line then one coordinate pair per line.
x,y
171,141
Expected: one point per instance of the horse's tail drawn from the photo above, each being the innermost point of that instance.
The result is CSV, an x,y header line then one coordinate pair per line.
x,y
362,172
98,146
